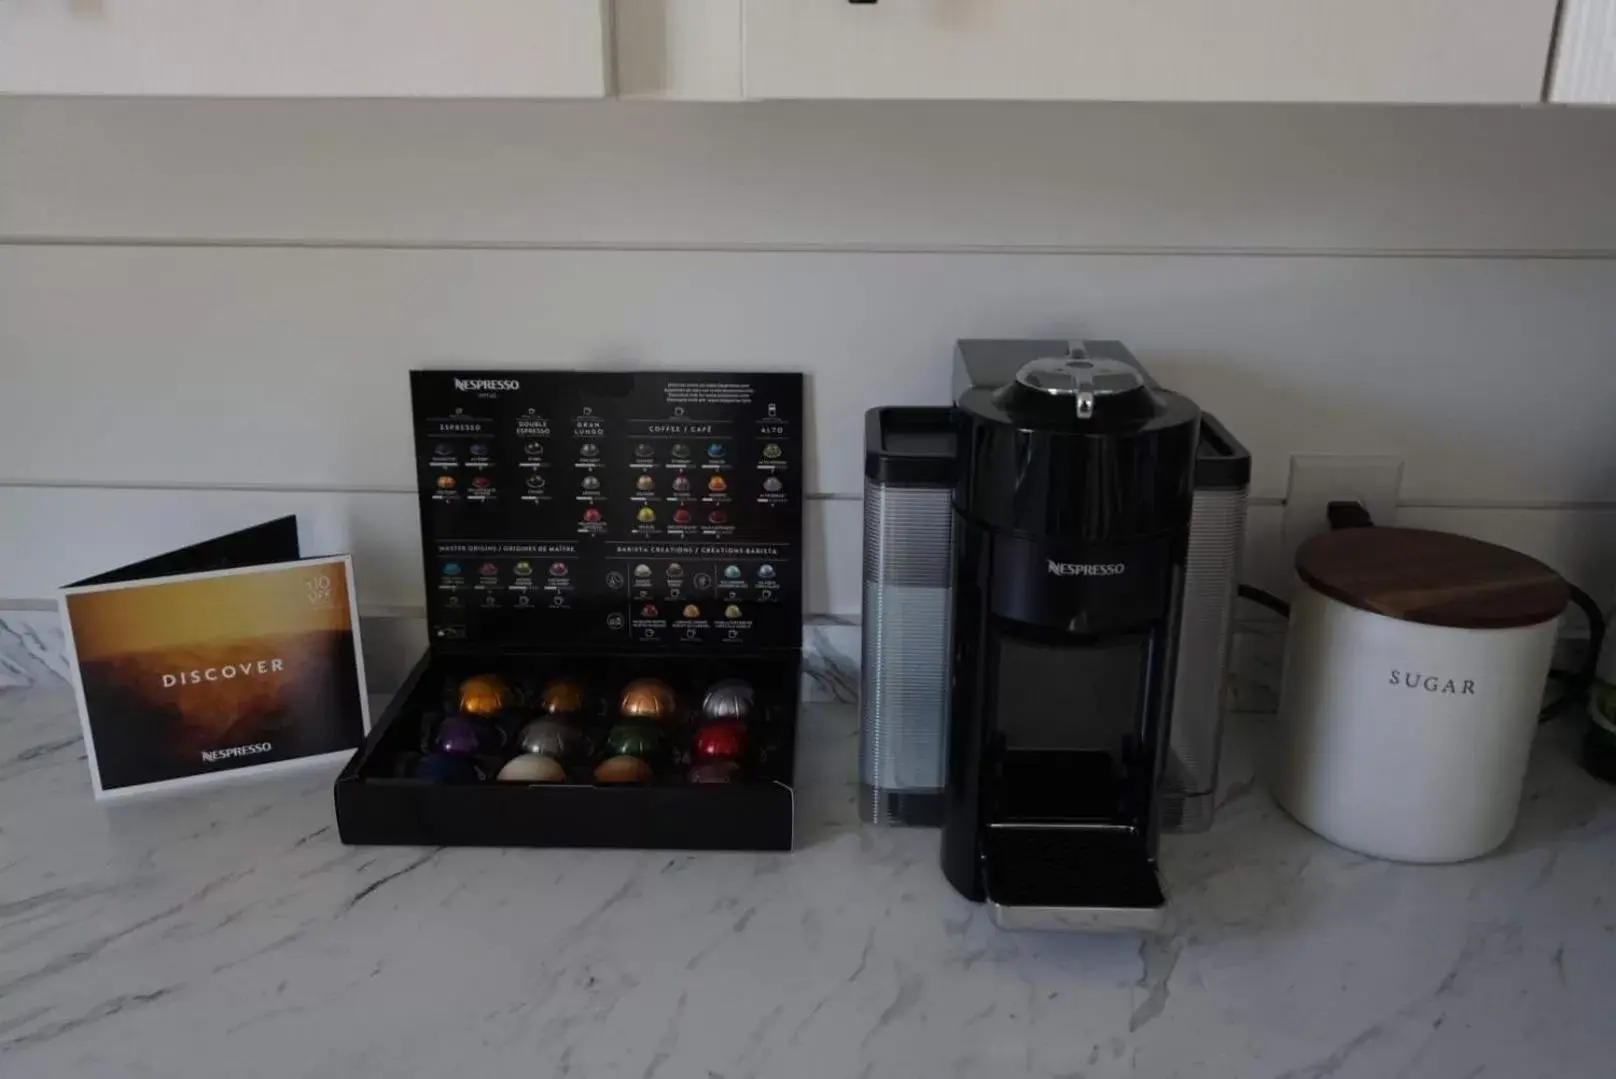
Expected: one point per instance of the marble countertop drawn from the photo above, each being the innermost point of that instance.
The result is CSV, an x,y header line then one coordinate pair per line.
x,y
229,934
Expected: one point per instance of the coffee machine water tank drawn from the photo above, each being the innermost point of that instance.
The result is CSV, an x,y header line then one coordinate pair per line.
x,y
908,600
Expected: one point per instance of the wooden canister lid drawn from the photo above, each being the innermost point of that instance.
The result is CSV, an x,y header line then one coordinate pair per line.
x,y
1434,578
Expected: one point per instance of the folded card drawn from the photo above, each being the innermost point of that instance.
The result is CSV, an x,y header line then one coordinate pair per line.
x,y
185,678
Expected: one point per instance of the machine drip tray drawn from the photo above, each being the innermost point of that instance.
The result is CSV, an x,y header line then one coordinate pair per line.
x,y
1056,878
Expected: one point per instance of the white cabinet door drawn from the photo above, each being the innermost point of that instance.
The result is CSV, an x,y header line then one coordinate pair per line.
x,y
678,50
1585,57
304,48
1151,50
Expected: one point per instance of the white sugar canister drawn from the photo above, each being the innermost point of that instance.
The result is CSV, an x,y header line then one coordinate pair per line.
x,y
1414,672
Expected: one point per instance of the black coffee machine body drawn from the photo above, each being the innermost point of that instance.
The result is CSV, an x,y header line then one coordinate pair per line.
x,y
1071,505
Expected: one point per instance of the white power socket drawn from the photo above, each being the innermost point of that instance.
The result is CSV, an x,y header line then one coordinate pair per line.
x,y
1319,479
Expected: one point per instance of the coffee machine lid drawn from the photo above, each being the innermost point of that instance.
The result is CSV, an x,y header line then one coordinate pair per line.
x,y
1084,380
1075,393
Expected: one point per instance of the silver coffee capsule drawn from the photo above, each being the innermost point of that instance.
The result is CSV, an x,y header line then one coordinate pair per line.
x,y
551,738
729,699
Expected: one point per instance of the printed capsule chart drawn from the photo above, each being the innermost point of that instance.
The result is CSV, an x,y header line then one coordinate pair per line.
x,y
652,509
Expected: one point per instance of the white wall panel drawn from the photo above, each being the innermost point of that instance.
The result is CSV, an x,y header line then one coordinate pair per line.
x,y
868,175
230,367
678,50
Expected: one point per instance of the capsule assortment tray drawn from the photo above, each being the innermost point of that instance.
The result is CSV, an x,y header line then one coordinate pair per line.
x,y
613,570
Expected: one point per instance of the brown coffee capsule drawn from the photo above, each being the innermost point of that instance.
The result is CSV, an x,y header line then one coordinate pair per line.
x,y
648,698
715,772
485,695
623,770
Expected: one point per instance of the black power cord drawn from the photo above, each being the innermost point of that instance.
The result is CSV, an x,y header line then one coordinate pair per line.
x,y
1580,681
1265,599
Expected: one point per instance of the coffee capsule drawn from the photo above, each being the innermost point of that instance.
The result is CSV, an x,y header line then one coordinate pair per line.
x,y
486,694
715,772
551,738
623,770
634,740
648,698
728,699
533,768
720,741
562,697
464,735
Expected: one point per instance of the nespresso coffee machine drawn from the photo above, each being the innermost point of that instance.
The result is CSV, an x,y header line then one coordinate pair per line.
x,y
1049,584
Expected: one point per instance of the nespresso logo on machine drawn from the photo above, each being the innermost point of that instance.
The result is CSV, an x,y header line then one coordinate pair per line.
x,y
1085,569
473,385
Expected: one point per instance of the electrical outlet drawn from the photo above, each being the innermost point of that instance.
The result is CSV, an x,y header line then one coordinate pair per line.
x,y
1319,479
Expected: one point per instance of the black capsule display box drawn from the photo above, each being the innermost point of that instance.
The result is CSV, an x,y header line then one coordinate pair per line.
x,y
567,601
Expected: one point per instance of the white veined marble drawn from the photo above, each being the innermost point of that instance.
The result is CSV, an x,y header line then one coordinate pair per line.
x,y
230,934
32,649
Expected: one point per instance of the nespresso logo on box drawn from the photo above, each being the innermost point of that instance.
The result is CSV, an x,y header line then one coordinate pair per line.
x,y
253,750
229,672
471,385
1085,569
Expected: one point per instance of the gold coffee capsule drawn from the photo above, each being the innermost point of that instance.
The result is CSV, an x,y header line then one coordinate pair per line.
x,y
648,698
562,697
485,695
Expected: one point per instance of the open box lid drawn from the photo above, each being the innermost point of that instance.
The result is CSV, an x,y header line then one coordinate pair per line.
x,y
654,511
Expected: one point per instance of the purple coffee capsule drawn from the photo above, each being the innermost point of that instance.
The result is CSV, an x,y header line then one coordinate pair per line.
x,y
464,735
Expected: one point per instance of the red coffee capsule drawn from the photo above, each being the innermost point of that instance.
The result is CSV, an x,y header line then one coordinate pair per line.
x,y
720,741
